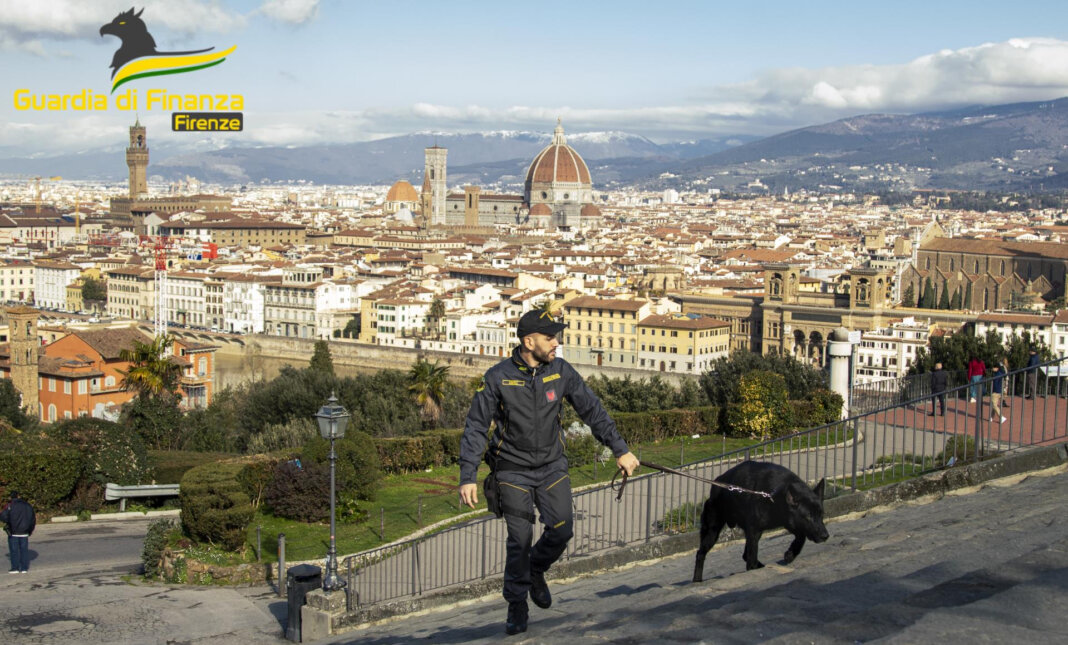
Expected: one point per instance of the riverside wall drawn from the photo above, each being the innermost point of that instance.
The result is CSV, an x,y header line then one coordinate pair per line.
x,y
252,357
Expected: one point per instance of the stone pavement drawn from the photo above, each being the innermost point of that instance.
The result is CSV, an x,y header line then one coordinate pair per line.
x,y
987,564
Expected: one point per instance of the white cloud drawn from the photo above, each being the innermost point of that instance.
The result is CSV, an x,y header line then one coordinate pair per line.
x,y
292,11
24,24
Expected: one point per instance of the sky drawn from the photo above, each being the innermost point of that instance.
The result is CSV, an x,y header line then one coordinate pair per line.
x,y
337,71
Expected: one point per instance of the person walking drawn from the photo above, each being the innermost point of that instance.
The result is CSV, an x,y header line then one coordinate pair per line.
x,y
19,521
997,387
1033,362
939,381
522,396
976,372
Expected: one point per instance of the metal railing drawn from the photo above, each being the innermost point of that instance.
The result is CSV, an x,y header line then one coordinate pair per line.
x,y
892,442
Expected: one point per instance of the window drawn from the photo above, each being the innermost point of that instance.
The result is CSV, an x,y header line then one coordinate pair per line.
x,y
82,386
66,387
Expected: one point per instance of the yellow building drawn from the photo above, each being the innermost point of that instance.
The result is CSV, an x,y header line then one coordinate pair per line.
x,y
685,343
603,331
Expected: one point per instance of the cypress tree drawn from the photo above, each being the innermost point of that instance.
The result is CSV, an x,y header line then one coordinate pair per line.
x,y
943,298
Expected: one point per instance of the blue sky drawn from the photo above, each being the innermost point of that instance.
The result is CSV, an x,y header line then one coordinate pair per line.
x,y
321,71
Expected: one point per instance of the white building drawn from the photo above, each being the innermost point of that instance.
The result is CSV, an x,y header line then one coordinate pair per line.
x,y
50,283
16,281
186,299
243,303
888,353
1040,326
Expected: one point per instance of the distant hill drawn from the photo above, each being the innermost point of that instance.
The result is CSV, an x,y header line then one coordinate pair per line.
x,y
485,158
1022,146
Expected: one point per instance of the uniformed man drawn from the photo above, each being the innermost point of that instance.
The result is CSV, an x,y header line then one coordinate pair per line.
x,y
522,395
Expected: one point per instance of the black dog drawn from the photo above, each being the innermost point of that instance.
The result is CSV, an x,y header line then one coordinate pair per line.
x,y
794,506
136,41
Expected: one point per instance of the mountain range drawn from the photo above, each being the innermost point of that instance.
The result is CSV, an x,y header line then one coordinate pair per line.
x,y
1021,146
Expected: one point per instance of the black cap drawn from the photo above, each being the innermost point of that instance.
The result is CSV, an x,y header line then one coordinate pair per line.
x,y
14,494
537,321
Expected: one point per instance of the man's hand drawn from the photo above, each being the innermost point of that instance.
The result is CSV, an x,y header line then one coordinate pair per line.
x,y
628,462
469,494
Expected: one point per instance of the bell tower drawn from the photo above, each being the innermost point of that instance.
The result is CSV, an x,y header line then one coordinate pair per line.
x,y
22,335
137,160
434,179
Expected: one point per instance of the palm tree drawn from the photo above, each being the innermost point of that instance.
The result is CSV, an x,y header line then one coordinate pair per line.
x,y
437,312
427,383
551,306
151,369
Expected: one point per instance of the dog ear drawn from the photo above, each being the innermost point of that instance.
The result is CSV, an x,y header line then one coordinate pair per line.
x,y
791,499
820,488
138,14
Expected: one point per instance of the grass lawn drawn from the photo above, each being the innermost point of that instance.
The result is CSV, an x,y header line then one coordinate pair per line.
x,y
408,502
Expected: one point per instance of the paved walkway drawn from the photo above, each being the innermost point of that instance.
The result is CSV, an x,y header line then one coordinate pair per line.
x,y
986,565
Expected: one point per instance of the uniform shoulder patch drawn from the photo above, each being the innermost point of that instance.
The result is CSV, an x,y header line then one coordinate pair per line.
x,y
481,384
551,377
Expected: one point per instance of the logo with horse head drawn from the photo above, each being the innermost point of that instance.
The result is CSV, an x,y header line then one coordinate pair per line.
x,y
138,57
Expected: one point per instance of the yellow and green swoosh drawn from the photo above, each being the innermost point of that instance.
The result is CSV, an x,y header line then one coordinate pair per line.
x,y
160,65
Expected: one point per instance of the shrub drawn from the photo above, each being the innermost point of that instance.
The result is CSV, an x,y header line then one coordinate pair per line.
x,y
645,427
759,409
43,471
300,492
112,453
156,539
358,467
291,434
581,449
256,477
959,449
169,466
215,508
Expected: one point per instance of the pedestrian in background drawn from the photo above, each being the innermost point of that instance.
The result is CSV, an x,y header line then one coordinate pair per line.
x,y
19,521
997,386
1033,362
939,381
976,372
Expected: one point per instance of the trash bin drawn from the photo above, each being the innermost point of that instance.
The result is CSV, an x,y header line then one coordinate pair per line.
x,y
299,581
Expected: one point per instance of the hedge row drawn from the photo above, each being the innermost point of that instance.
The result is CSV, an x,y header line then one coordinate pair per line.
x,y
215,507
44,475
422,451
646,427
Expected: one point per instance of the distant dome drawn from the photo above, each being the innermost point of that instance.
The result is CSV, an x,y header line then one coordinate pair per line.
x,y
589,210
557,163
541,209
402,191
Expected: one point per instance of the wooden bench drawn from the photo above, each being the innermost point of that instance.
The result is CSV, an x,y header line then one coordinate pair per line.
x,y
114,492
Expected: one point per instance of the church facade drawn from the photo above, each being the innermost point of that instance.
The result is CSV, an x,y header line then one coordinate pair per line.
x,y
557,193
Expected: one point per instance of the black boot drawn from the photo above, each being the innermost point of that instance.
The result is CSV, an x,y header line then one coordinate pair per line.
x,y
539,590
517,618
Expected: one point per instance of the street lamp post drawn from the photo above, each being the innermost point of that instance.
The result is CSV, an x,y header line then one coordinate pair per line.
x,y
332,418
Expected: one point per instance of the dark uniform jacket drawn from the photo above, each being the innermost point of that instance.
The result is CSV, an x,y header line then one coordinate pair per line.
x,y
526,403
939,380
19,518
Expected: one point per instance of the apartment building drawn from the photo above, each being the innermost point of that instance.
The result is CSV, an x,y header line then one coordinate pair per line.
x,y
682,343
888,353
50,283
603,331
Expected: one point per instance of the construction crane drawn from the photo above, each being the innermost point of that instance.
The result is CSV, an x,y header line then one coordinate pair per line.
x,y
37,192
160,251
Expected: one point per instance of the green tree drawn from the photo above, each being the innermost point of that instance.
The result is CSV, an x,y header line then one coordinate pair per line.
x,y
93,289
352,328
943,298
111,452
909,299
759,409
10,409
968,304
927,299
358,467
428,383
151,369
955,302
156,418
321,361
437,312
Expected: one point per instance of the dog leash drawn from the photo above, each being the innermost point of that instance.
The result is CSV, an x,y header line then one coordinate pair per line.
x,y
671,471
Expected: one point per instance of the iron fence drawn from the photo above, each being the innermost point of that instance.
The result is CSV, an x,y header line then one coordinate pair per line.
x,y
901,439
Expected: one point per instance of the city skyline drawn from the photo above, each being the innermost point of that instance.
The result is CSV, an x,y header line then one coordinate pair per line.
x,y
315,72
